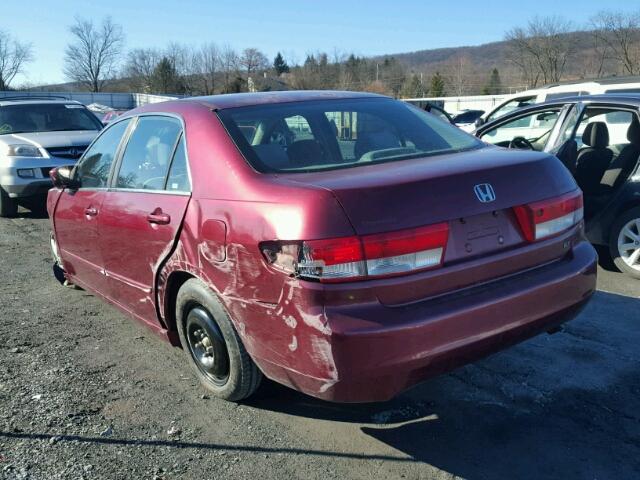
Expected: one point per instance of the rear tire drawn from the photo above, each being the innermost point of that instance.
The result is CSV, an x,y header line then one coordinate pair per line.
x,y
624,243
212,345
8,205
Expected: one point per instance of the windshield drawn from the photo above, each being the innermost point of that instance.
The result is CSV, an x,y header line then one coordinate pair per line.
x,y
332,134
510,106
51,117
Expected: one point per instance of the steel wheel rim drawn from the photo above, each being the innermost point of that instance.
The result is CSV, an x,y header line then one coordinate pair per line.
x,y
629,244
207,346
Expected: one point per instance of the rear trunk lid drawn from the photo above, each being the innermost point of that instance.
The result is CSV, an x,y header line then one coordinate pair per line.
x,y
412,193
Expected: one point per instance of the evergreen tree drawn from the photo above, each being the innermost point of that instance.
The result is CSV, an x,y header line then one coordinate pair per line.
x,y
494,86
165,78
280,65
413,88
437,86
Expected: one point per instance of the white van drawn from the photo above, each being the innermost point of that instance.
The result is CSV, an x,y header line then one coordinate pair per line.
x,y
559,90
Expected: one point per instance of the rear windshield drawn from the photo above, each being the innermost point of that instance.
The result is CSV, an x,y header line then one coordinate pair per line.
x,y
332,134
52,117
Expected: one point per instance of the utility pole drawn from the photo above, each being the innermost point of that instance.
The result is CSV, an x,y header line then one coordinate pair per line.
x,y
377,71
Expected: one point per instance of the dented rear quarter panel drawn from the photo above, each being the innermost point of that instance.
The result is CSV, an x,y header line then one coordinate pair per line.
x,y
232,210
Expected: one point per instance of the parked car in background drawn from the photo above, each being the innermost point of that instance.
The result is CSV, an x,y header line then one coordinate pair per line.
x,y
111,116
105,113
598,140
438,111
35,136
347,245
466,119
622,85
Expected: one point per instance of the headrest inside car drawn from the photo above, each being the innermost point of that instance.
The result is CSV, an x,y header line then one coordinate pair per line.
x,y
633,134
596,135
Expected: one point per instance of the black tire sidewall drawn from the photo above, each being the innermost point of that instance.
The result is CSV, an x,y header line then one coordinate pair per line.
x,y
8,205
617,226
242,371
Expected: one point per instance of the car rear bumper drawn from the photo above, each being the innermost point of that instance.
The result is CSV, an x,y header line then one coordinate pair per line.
x,y
371,352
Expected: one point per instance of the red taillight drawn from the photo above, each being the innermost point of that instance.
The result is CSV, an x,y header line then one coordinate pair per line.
x,y
549,217
335,251
332,260
369,256
406,250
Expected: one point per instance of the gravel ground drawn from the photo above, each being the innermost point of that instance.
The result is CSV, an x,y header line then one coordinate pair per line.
x,y
85,393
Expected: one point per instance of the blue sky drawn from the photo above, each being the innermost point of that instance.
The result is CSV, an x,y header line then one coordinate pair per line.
x,y
293,27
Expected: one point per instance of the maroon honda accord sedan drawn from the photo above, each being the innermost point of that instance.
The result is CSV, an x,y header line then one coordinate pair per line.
x,y
344,244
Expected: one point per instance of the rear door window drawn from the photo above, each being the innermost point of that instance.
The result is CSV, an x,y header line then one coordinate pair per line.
x,y
555,96
623,90
146,158
178,180
616,121
95,166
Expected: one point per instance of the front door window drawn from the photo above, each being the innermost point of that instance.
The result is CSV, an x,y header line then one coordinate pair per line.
x,y
93,170
529,131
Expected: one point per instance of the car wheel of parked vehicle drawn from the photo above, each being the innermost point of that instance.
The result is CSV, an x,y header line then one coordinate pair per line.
x,y
624,243
212,344
8,205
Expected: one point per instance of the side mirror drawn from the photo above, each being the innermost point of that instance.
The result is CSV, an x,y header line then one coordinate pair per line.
x,y
62,177
479,122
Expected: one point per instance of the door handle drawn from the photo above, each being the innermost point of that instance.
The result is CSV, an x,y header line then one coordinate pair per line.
x,y
159,218
91,211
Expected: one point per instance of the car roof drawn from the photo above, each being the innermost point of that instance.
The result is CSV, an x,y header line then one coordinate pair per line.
x,y
232,100
610,98
39,101
621,80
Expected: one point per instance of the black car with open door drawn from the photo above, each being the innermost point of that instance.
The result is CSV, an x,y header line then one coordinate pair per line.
x,y
598,139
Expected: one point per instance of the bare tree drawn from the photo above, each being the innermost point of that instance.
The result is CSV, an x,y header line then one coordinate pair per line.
x,y
620,33
229,65
186,61
140,66
598,57
541,49
458,70
209,65
13,56
253,59
92,56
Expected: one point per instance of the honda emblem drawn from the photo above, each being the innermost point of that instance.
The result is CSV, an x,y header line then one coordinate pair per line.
x,y
484,192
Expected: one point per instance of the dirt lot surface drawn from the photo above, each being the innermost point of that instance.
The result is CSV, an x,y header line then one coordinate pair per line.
x,y
85,393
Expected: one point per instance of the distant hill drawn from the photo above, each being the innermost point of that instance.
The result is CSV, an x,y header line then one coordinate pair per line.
x,y
466,69
483,58
488,55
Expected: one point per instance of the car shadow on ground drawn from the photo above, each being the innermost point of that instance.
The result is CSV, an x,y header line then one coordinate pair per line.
x,y
573,434
35,214
178,444
476,426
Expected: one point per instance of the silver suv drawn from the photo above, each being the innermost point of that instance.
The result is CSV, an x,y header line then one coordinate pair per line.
x,y
35,136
